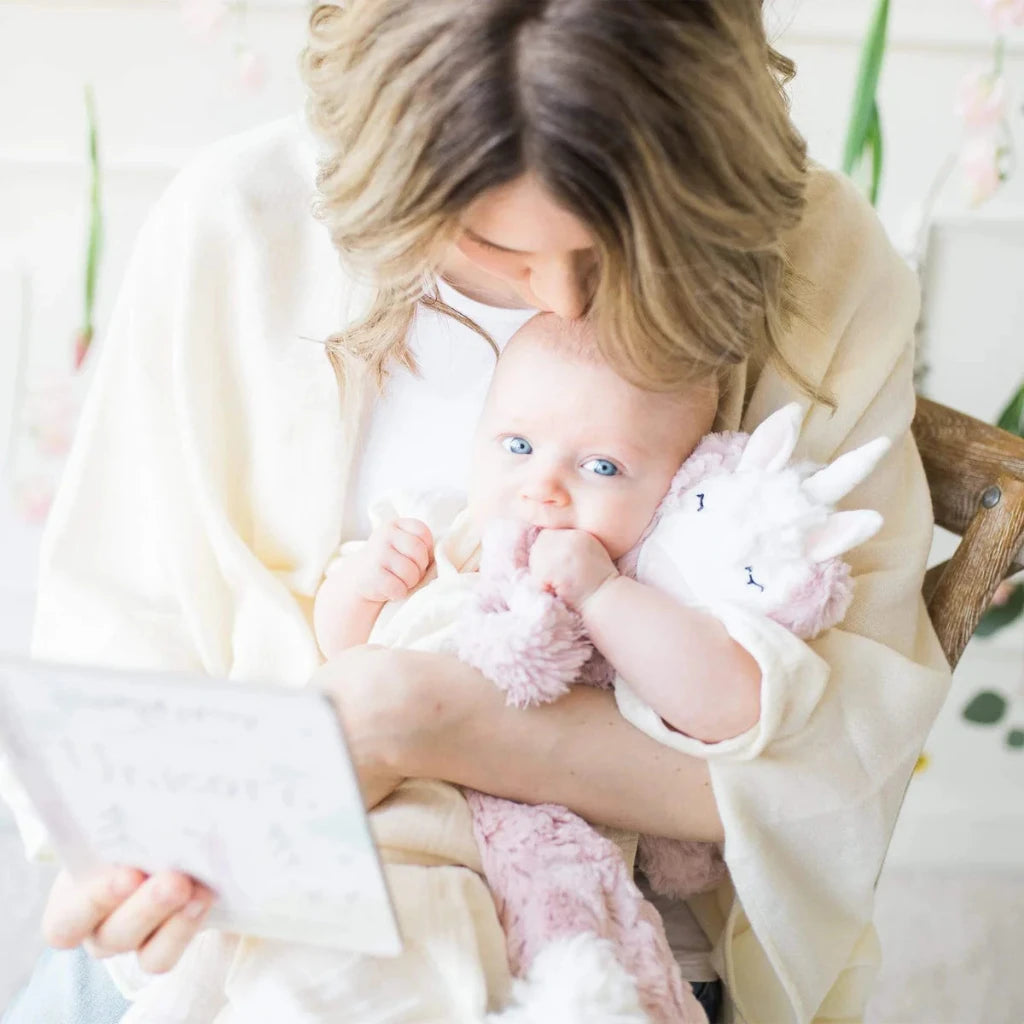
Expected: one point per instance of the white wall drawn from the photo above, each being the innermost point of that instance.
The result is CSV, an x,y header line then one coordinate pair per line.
x,y
161,94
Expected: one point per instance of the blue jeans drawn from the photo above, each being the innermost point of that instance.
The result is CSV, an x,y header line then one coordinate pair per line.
x,y
67,987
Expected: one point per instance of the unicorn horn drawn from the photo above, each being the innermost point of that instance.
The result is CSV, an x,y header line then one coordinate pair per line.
x,y
829,484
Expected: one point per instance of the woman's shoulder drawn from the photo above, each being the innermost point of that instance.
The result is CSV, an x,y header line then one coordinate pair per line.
x,y
240,215
840,243
246,181
846,269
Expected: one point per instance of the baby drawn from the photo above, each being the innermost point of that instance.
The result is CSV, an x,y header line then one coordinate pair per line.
x,y
566,444
572,449
569,447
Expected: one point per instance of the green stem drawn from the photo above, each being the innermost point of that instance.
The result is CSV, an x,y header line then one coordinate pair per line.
x,y
95,236
863,114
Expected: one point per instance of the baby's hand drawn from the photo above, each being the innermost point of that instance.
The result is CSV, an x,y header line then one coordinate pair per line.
x,y
572,564
394,561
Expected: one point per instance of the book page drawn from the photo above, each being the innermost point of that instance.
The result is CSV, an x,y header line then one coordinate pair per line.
x,y
247,788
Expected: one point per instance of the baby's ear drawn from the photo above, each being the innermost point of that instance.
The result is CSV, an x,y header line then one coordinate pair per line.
x,y
841,532
772,442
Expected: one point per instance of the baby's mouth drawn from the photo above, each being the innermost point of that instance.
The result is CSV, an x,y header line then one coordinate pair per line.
x,y
548,523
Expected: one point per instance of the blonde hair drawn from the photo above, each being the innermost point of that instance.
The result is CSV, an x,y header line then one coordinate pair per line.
x,y
662,125
578,342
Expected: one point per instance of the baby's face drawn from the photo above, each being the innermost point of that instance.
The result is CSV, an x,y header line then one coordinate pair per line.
x,y
565,443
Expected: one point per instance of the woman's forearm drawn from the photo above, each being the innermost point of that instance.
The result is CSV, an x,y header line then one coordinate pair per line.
x,y
678,659
578,751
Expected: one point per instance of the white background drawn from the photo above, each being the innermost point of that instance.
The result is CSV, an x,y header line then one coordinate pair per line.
x,y
162,93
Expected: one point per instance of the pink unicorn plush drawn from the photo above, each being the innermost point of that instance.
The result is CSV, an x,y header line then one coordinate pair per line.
x,y
741,525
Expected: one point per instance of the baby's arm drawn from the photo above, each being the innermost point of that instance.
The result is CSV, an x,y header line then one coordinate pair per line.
x,y
678,659
391,563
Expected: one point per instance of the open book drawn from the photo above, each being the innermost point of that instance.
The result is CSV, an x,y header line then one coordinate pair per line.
x,y
248,788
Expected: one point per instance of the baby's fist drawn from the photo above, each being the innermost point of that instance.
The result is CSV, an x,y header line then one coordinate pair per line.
x,y
395,560
572,564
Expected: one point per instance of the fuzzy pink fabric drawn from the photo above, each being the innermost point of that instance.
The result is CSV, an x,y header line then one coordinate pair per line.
x,y
821,602
524,639
680,868
553,876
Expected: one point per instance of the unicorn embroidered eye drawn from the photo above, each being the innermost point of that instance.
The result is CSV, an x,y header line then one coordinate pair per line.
x,y
517,445
700,502
601,467
749,569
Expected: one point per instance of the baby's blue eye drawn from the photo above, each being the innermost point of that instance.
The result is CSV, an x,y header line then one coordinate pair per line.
x,y
517,445
602,467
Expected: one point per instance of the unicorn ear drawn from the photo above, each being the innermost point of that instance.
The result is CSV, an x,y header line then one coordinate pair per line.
x,y
830,483
773,441
841,532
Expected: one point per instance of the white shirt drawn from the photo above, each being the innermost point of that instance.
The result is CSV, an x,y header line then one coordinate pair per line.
x,y
420,431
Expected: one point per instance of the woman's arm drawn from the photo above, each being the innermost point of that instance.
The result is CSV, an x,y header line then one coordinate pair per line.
x,y
416,714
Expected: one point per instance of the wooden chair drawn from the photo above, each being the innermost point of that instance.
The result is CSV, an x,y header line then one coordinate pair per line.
x,y
976,476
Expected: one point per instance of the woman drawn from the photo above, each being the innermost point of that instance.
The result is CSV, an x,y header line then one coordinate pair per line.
x,y
479,159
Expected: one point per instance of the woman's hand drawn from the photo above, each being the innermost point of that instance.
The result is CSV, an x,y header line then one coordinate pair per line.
x,y
375,694
404,712
122,910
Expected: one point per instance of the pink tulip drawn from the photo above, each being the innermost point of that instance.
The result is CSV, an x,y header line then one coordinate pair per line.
x,y
981,99
979,160
252,70
1003,14
203,17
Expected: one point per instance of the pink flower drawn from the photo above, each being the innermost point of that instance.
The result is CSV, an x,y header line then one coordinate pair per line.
x,y
203,17
50,414
981,99
32,498
1003,14
252,70
980,159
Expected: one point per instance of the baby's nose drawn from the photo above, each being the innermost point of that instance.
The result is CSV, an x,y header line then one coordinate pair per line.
x,y
547,490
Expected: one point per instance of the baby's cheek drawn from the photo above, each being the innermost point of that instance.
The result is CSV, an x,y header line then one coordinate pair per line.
x,y
620,533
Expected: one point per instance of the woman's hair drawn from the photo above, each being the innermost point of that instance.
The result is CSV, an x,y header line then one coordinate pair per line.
x,y
661,124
